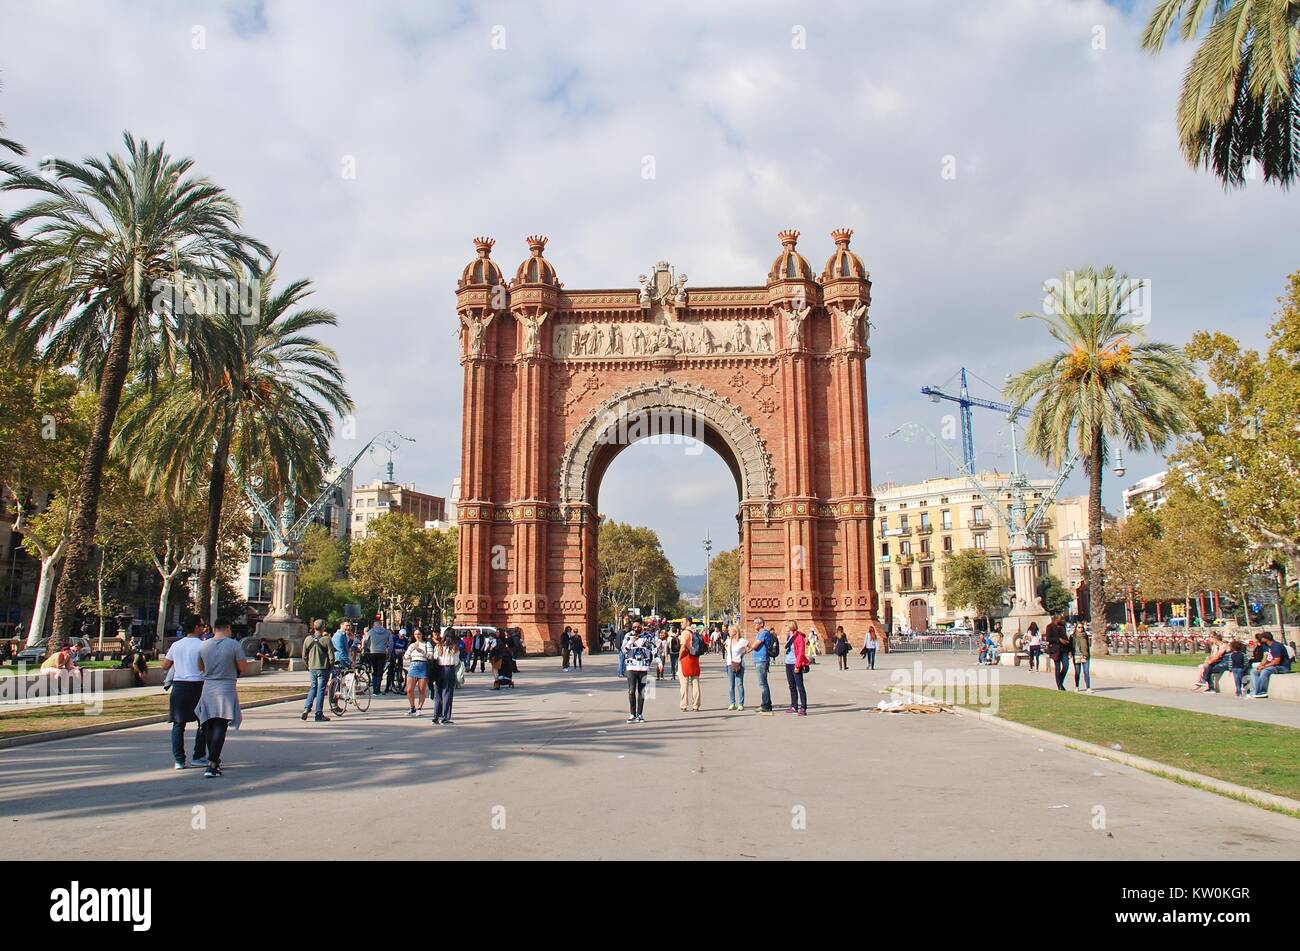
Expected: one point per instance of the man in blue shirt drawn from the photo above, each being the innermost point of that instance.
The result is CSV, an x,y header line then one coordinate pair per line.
x,y
396,651
342,645
1276,661
765,648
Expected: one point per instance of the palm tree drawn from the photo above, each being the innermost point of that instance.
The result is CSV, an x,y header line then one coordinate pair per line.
x,y
1241,92
109,239
265,401
8,236
1107,385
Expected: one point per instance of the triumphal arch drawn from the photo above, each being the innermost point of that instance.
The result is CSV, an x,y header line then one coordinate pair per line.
x,y
558,381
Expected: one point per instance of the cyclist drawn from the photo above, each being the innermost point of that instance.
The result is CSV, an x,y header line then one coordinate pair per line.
x,y
395,654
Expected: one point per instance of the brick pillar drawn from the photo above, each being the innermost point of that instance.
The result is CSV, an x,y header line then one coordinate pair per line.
x,y
475,510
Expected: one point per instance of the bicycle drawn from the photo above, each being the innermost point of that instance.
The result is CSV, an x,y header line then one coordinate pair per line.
x,y
349,686
396,673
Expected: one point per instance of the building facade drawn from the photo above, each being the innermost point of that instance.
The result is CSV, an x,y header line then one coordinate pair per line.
x,y
381,497
918,524
1149,492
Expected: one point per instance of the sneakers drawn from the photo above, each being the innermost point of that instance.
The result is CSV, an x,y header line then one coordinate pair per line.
x,y
212,772
448,722
199,761
180,765
631,718
791,710
304,715
437,719
321,718
640,719
740,706
731,706
411,712
803,712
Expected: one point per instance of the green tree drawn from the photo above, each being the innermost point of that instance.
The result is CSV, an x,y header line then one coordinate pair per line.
x,y
724,582
971,583
621,549
403,566
322,589
265,401
1240,99
8,236
1196,551
1130,547
99,246
1054,594
1243,449
1106,385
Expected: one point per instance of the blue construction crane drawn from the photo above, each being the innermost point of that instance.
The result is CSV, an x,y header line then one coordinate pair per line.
x,y
966,401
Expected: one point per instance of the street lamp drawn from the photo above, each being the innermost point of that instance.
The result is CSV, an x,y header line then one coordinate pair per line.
x,y
708,552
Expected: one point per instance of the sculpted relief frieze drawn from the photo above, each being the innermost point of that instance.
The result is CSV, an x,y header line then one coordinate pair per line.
x,y
590,341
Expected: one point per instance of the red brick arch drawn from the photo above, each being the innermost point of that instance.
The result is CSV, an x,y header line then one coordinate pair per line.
x,y
772,377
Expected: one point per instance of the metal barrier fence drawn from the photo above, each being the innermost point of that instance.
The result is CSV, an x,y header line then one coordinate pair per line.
x,y
922,642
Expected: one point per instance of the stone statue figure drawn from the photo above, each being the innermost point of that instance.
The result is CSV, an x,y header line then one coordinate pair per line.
x,y
795,320
477,331
764,337
532,331
615,343
850,319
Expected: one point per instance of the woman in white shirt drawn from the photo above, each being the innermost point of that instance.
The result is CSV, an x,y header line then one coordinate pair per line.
x,y
869,647
446,657
736,647
418,659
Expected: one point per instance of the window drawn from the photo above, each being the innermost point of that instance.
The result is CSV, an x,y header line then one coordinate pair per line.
x,y
927,577
904,548
902,522
907,578
925,546
947,543
925,519
884,526
979,542
1043,568
884,580
945,519
884,549
977,515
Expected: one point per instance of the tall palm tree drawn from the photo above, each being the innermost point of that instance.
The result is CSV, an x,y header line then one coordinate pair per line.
x,y
103,244
1108,385
265,401
8,236
1241,92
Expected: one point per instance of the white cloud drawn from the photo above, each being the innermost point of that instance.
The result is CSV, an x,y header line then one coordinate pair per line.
x,y
1065,156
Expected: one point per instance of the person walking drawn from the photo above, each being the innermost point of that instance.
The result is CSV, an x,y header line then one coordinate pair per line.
x,y
222,661
576,647
375,647
565,638
1058,648
796,665
842,648
446,660
418,658
182,661
318,652
1081,643
690,646
766,648
813,640
736,648
674,651
639,652
478,657
870,643
1035,644
396,651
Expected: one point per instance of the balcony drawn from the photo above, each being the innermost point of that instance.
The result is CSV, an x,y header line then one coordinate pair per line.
x,y
904,559
925,557
924,529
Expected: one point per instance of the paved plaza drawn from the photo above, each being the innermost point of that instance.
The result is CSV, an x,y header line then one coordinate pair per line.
x,y
551,770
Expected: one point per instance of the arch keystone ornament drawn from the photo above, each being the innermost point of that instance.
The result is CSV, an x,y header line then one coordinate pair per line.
x,y
559,381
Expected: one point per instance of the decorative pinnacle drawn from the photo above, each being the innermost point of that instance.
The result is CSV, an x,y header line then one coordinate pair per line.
x,y
789,238
484,246
841,237
536,244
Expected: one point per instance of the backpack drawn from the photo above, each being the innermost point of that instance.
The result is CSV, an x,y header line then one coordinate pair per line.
x,y
697,647
675,644
317,644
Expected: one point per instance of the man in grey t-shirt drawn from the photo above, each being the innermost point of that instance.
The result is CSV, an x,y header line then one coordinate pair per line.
x,y
375,646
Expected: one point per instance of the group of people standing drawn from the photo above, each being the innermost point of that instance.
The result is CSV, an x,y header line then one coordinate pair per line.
x,y
1064,644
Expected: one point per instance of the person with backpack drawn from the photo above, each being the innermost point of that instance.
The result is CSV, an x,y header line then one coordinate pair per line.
x,y
842,648
674,651
318,652
638,649
691,646
765,647
796,665
576,647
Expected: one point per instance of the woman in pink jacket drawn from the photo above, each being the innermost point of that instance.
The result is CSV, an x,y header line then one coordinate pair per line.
x,y
796,665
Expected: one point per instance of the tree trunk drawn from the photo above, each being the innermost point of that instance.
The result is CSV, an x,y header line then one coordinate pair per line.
x,y
99,600
212,531
1096,573
161,627
44,591
81,538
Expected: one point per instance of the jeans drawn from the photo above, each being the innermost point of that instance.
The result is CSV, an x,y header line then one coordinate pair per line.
x,y
1211,671
1238,675
761,668
1062,662
577,659
1085,667
636,691
444,690
376,664
1035,652
178,742
871,658
1262,675
798,695
736,685
319,681
564,658
622,664
214,731
672,665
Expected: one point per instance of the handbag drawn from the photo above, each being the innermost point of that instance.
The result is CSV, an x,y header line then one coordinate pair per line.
x,y
736,667
460,673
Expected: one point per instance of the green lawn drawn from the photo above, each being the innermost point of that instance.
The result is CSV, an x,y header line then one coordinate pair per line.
x,y
1262,756
1177,660
52,717
9,671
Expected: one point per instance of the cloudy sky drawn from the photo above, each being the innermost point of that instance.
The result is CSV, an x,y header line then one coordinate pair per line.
x,y
508,119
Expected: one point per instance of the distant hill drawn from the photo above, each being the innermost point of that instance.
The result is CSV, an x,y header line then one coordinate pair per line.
x,y
690,584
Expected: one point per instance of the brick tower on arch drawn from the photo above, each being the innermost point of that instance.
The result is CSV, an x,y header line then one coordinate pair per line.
x,y
559,381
